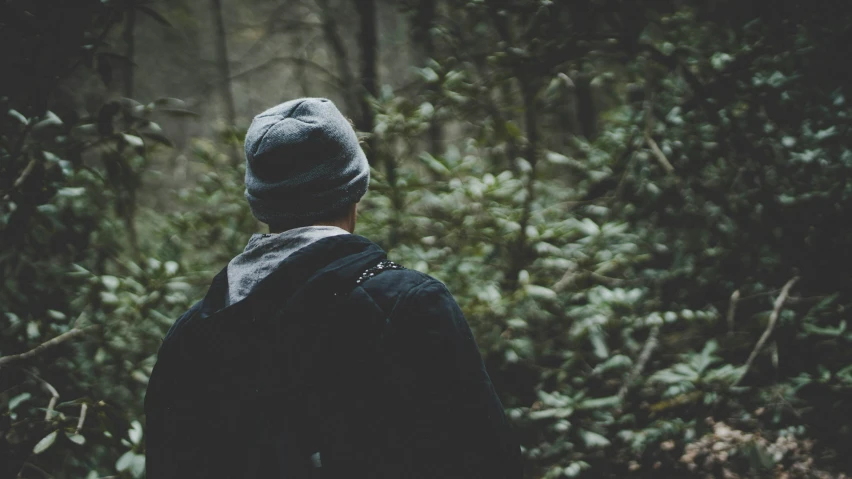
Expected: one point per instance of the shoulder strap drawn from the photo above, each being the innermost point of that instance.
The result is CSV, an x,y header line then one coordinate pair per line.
x,y
382,266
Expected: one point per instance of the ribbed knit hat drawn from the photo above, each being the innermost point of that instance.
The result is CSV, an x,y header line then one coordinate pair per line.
x,y
303,161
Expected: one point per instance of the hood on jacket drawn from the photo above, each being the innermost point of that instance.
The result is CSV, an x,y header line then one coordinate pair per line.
x,y
332,263
265,252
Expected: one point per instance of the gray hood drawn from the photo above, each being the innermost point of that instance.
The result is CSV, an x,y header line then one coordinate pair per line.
x,y
264,252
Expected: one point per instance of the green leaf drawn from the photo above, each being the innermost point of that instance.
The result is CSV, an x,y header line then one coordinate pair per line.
x,y
137,465
619,361
557,412
540,291
45,443
598,343
575,468
18,116
433,164
77,439
429,75
111,283
599,403
135,432
593,439
123,462
133,140
17,400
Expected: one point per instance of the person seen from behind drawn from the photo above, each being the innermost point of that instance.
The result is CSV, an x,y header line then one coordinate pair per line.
x,y
312,355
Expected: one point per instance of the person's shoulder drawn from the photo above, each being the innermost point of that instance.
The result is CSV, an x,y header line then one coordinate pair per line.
x,y
396,286
182,320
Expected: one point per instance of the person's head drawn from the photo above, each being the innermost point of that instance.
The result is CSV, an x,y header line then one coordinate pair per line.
x,y
304,166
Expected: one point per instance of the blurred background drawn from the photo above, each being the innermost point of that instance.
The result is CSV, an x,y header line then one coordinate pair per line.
x,y
642,206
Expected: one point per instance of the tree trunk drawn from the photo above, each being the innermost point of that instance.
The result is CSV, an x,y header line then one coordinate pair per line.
x,y
332,36
130,43
224,70
521,253
586,114
367,40
422,22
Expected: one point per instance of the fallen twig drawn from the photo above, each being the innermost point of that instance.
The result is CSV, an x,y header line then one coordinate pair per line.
x,y
773,319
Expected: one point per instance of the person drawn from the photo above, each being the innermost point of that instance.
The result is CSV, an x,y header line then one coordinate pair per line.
x,y
312,355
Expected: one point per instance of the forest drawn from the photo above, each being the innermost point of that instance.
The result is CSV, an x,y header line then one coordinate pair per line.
x,y
638,204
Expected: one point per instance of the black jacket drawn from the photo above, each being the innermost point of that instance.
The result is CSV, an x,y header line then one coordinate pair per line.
x,y
378,378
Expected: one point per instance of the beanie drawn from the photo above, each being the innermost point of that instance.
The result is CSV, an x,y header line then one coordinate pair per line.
x,y
303,161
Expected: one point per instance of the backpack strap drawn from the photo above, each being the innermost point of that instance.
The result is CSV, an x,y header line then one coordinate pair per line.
x,y
382,266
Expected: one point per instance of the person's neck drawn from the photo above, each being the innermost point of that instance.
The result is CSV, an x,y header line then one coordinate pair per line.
x,y
344,225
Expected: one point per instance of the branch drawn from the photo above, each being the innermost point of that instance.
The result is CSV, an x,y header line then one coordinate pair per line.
x,y
650,345
54,394
41,348
21,179
658,153
773,319
296,60
19,148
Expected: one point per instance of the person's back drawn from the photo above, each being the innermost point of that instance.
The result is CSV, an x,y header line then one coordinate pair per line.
x,y
312,355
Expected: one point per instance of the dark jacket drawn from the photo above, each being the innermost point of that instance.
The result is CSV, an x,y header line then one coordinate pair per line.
x,y
379,378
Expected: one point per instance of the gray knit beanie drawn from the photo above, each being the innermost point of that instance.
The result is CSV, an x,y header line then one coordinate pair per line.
x,y
303,161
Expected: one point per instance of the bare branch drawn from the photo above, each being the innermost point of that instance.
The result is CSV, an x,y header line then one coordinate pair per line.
x,y
41,348
650,345
24,175
773,319
294,60
658,153
37,469
649,123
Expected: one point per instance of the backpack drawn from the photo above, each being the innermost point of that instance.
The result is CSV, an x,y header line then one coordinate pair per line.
x,y
244,392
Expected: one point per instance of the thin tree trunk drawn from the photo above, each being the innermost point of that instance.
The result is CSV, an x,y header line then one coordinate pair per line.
x,y
332,36
224,70
421,28
130,43
586,114
520,251
129,211
367,39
